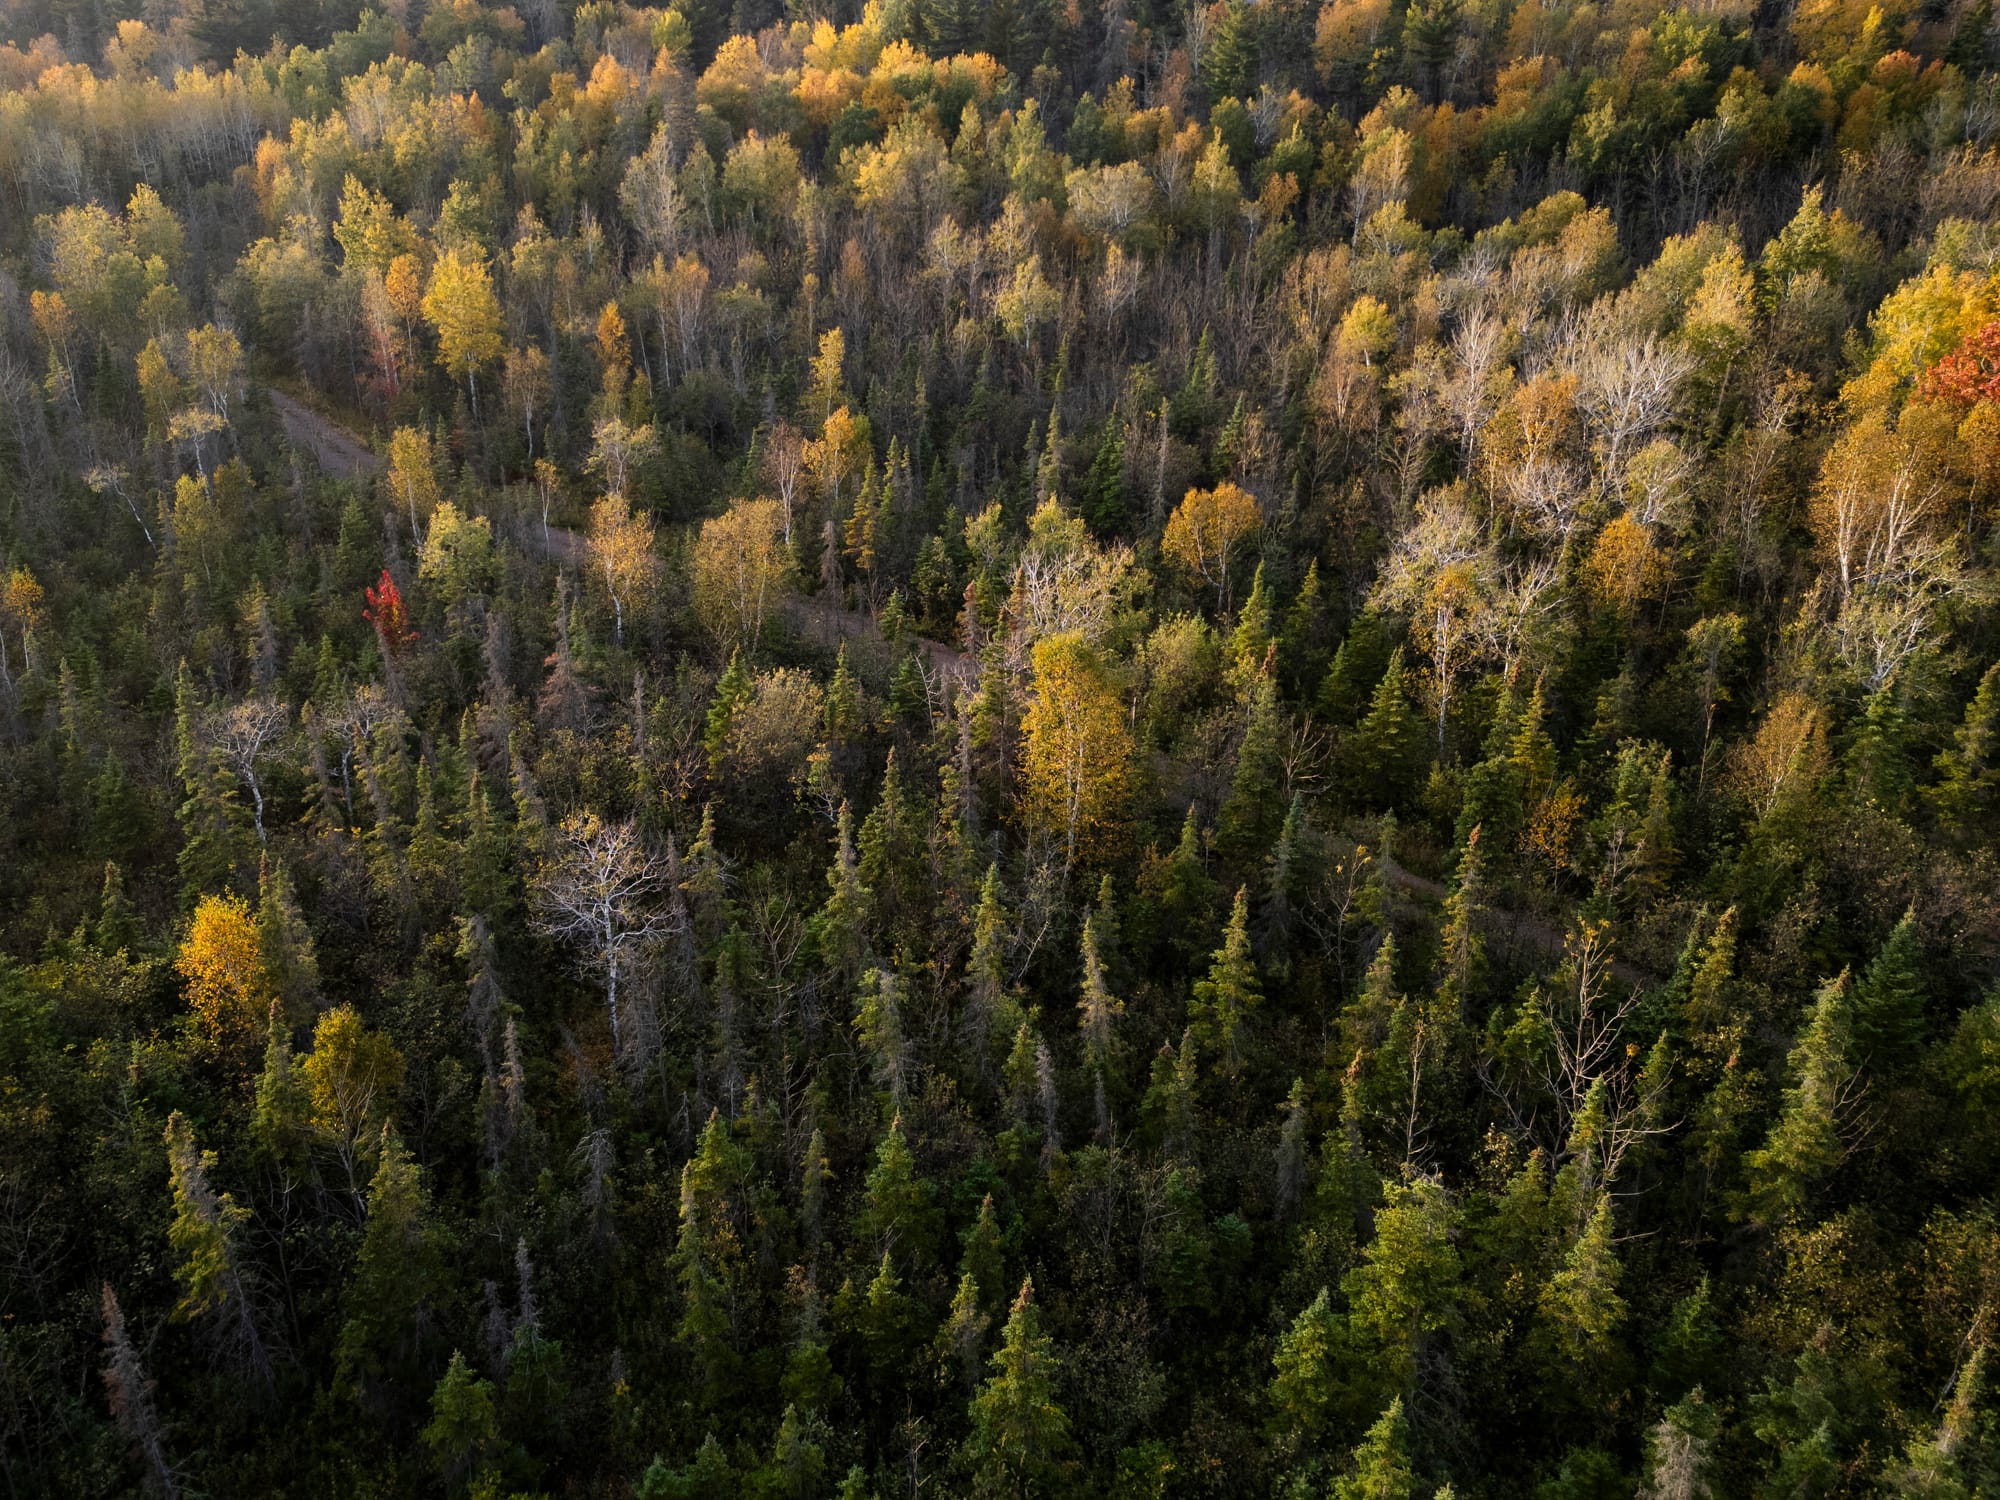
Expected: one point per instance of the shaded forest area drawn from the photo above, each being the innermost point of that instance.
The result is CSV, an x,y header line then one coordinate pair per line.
x,y
999,747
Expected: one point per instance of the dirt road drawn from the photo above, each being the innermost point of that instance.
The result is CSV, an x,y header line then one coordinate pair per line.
x,y
335,449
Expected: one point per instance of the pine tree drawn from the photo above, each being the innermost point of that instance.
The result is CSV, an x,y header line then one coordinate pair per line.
x,y
1387,747
1804,1146
464,1434
1887,1008
1020,1442
205,1235
130,1393
1381,1465
1224,1001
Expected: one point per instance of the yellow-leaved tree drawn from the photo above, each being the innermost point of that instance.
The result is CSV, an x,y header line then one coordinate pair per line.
x,y
1076,755
351,1076
412,478
621,544
1205,528
461,305
221,964
741,571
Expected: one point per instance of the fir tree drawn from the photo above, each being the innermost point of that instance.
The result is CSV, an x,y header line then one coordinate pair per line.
x,y
1224,1001
1805,1145
1387,746
1020,1442
1380,1469
1887,1008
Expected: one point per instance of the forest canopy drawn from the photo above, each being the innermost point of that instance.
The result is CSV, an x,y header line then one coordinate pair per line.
x,y
1000,748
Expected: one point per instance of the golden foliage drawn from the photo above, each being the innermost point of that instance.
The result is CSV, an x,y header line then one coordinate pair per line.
x,y
1206,527
741,569
226,986
1076,754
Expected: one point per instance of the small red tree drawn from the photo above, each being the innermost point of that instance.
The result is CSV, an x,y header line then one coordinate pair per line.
x,y
389,615
1970,373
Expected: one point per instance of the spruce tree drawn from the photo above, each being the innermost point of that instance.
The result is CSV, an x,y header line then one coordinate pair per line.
x,y
1020,1442
1804,1146
1888,1023
1249,817
1380,1469
1386,749
396,1279
1224,1001
1967,794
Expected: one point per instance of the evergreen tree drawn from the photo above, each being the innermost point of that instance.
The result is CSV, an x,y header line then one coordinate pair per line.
x,y
1020,1442
1887,1008
1224,1001
1381,1466
1582,1299
1105,501
1249,817
395,1280
130,1392
1967,794
1804,1146
464,1434
285,945
279,1123
205,1235
1386,748
840,928
878,1025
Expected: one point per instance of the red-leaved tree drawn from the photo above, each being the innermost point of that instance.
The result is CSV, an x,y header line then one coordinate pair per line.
x,y
389,615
